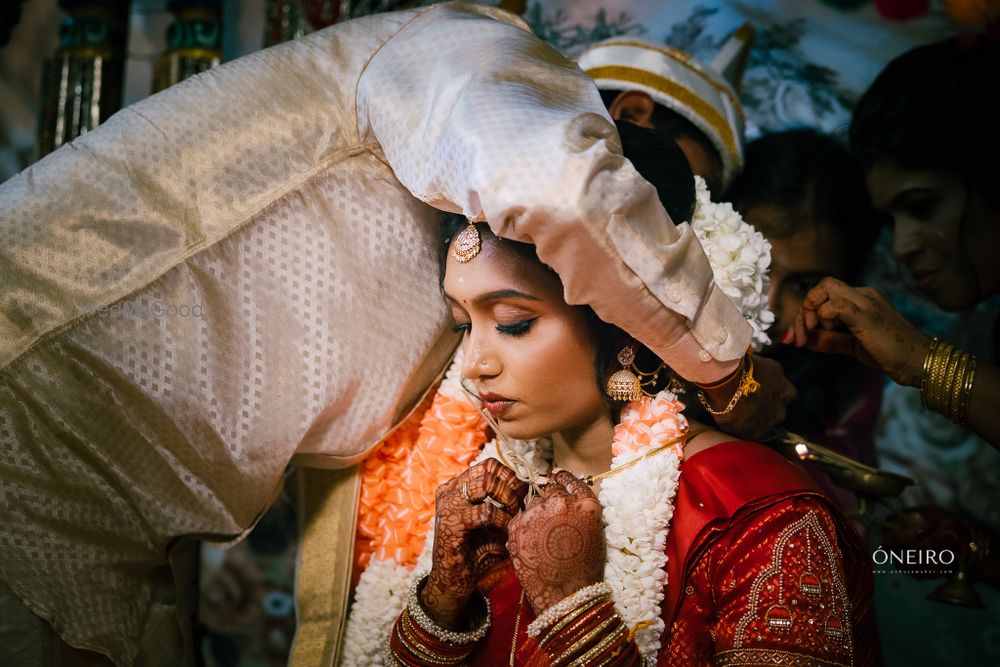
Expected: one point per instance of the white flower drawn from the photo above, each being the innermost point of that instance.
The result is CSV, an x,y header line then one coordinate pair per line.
x,y
740,257
378,600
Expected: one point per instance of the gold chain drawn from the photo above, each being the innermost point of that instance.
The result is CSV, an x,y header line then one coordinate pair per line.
x,y
590,479
748,385
517,628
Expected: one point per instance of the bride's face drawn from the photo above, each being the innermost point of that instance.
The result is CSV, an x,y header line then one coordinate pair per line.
x,y
530,355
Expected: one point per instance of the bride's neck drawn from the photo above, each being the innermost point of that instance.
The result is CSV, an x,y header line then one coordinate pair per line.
x,y
585,450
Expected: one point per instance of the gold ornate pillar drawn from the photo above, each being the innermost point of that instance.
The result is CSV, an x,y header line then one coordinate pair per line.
x,y
82,82
194,42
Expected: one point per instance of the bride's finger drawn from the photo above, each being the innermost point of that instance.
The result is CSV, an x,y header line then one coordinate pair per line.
x,y
576,486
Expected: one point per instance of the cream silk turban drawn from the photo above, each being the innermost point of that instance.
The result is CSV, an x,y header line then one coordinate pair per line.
x,y
243,269
675,80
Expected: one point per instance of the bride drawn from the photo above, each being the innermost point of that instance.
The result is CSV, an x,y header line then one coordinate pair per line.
x,y
599,525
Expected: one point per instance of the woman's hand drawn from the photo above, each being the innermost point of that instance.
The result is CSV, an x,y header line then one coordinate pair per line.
x,y
557,542
877,335
466,522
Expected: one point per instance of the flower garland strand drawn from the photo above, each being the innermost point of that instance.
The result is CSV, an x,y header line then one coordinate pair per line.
x,y
740,257
397,506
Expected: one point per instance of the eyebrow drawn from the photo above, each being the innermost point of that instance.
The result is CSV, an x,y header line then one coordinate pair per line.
x,y
496,295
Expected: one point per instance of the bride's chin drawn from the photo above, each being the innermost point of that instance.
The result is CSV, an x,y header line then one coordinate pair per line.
x,y
519,430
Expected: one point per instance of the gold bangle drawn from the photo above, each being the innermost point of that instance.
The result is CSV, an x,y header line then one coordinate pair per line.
x,y
938,366
569,621
925,374
967,392
748,385
946,383
940,355
950,378
582,642
587,658
957,384
408,639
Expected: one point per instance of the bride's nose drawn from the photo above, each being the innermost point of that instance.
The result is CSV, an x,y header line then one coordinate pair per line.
x,y
479,360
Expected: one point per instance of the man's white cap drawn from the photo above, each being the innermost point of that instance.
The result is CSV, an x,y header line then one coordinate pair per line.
x,y
672,78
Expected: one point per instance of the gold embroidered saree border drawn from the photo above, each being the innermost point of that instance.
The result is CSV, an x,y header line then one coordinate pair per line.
x,y
328,510
767,656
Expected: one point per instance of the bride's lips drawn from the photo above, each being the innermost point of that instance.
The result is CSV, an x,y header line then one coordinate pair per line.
x,y
496,404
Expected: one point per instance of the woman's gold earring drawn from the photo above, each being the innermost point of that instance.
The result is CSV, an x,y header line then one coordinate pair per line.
x,y
624,385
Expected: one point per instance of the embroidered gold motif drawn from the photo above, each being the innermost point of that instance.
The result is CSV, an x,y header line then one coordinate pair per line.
x,y
810,584
769,608
779,617
766,656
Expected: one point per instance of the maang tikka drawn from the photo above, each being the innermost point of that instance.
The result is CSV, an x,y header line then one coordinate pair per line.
x,y
467,244
624,385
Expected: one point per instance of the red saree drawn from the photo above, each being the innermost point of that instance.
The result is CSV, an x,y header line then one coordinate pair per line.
x,y
763,570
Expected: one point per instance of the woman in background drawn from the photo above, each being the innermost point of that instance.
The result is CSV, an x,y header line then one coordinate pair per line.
x,y
928,146
939,189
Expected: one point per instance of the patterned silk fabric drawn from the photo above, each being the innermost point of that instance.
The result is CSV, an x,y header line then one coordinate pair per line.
x,y
765,586
243,268
771,591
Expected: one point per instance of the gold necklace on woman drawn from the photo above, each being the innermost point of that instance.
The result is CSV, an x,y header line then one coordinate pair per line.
x,y
517,628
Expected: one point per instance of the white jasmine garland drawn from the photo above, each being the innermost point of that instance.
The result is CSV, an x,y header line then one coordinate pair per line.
x,y
378,600
740,257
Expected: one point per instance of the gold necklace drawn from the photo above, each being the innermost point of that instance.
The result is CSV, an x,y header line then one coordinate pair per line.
x,y
590,479
517,628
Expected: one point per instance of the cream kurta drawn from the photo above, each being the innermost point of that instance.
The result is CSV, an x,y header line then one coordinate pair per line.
x,y
242,268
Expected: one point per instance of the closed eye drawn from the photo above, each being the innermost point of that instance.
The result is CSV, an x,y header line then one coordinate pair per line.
x,y
516,328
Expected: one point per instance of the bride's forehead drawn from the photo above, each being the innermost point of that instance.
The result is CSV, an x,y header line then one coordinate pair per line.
x,y
499,267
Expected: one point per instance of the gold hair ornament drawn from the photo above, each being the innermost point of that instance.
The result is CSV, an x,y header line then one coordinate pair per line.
x,y
467,244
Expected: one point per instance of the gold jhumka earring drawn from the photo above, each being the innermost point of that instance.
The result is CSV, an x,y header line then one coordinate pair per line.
x,y
630,383
467,244
623,385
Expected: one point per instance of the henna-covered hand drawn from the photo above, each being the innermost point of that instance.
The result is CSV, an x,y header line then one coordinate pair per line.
x,y
877,335
557,543
468,533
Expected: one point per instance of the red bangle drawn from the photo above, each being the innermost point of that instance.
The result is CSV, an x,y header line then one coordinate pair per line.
x,y
414,647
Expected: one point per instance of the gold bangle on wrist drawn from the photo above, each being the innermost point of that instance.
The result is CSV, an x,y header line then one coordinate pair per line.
x,y
946,380
926,372
748,385
950,375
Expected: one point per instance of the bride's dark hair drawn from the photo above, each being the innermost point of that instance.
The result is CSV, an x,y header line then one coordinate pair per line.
x,y
658,158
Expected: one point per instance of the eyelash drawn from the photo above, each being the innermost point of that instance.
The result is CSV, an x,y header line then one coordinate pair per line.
x,y
515,329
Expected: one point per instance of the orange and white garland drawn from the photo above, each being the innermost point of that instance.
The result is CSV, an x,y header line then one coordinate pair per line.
x,y
395,531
